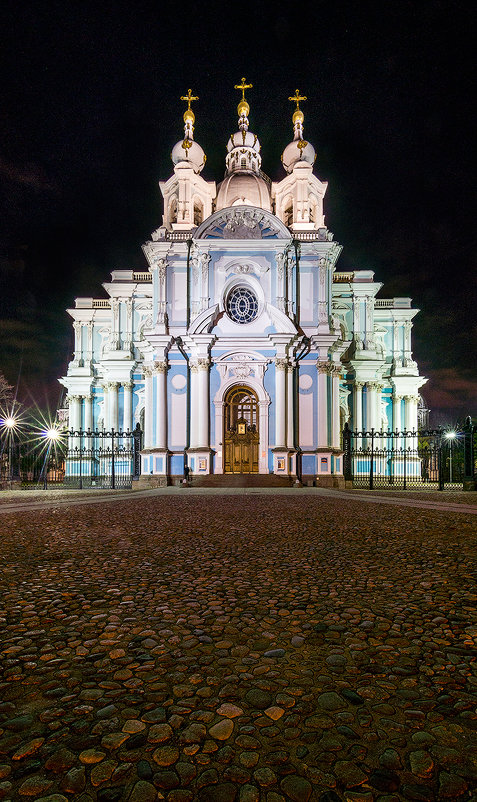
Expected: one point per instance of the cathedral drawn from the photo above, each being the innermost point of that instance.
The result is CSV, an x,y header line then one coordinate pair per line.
x,y
241,348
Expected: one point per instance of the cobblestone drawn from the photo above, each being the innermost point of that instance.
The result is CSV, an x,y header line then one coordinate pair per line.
x,y
238,647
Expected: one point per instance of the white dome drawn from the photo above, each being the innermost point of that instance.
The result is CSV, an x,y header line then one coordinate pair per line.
x,y
192,155
293,154
243,189
243,139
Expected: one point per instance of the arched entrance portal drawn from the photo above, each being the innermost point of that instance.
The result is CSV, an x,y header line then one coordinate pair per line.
x,y
241,437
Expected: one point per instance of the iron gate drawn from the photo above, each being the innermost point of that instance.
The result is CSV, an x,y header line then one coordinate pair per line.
x,y
71,459
408,459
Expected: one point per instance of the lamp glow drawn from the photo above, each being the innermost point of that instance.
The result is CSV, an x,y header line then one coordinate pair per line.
x,y
451,435
10,422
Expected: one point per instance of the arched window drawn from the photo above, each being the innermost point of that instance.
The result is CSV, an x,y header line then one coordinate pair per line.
x,y
173,211
288,213
198,212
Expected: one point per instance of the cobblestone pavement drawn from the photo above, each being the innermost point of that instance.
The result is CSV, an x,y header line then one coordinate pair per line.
x,y
238,648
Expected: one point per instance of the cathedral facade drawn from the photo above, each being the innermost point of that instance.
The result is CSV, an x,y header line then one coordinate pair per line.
x,y
242,348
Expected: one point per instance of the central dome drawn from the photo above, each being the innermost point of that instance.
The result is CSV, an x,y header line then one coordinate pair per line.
x,y
243,189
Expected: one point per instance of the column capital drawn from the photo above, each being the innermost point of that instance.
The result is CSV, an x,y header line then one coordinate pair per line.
x,y
359,385
128,385
412,399
73,398
203,364
147,371
397,397
374,385
281,364
160,367
194,368
322,367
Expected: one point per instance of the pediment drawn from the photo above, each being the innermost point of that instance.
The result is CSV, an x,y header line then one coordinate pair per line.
x,y
242,222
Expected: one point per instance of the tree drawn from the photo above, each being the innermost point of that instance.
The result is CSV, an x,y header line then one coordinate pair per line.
x,y
6,391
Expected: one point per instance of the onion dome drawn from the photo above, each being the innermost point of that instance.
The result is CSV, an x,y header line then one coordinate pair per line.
x,y
243,147
187,151
299,150
244,183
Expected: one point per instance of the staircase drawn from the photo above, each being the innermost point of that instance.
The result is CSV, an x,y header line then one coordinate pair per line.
x,y
241,480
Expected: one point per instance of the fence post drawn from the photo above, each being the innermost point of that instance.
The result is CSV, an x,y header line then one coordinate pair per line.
x,y
113,477
469,465
404,463
439,460
137,446
347,470
371,464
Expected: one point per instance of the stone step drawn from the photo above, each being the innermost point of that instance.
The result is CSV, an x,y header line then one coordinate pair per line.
x,y
241,480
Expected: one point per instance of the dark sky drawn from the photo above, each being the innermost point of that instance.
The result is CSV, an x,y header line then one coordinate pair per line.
x,y
90,110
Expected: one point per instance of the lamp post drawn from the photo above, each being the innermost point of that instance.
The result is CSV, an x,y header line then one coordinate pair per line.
x,y
51,435
450,437
10,423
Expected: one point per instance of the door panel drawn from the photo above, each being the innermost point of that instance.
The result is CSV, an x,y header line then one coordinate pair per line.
x,y
241,438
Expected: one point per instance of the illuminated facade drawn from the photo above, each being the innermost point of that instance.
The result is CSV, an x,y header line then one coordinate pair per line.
x,y
241,348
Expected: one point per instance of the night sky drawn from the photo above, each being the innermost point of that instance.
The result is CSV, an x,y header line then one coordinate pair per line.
x,y
90,110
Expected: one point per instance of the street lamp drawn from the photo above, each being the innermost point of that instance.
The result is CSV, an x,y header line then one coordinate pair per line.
x,y
52,436
450,437
10,424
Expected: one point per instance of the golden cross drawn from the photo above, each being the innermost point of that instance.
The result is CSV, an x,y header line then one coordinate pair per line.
x,y
189,98
296,98
243,86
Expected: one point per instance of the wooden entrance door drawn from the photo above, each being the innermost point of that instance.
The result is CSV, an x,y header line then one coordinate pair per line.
x,y
241,438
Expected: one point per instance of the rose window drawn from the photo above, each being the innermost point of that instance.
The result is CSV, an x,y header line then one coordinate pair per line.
x,y
242,305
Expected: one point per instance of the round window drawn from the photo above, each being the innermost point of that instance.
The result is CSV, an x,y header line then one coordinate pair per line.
x,y
242,305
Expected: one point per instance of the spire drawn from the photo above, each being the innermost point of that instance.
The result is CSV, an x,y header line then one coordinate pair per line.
x,y
186,150
189,119
298,117
298,150
243,109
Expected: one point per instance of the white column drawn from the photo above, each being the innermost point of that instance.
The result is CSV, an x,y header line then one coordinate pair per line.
x,y
407,342
371,405
74,407
335,412
411,402
77,327
161,290
105,405
280,368
160,369
194,406
148,411
114,324
113,405
127,407
397,422
280,257
204,281
203,406
88,412
290,409
89,347
322,404
358,406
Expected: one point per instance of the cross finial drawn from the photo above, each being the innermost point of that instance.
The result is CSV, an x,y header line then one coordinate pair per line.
x,y
189,98
296,98
243,86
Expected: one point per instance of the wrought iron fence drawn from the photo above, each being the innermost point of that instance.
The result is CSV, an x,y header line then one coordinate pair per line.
x,y
71,459
407,459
